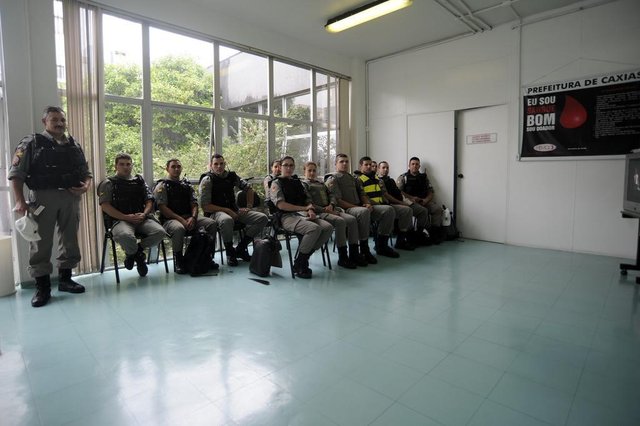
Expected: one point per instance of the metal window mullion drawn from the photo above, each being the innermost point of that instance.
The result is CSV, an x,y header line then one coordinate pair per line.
x,y
146,113
313,116
191,108
121,99
271,129
216,135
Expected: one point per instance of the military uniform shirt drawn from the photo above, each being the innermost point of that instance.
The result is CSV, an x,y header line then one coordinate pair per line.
x,y
276,195
105,191
345,186
320,194
160,194
21,163
205,187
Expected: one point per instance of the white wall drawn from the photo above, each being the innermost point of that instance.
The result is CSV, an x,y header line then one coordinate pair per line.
x,y
29,58
569,205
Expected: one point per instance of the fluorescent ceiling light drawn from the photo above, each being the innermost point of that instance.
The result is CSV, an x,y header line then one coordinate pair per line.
x,y
365,13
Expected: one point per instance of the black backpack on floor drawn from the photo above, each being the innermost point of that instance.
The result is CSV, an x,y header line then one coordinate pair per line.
x,y
266,253
197,257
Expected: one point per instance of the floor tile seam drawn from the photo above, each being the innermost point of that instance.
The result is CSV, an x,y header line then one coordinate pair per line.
x,y
503,370
505,346
620,380
98,371
431,346
48,394
462,387
580,380
516,410
407,408
547,385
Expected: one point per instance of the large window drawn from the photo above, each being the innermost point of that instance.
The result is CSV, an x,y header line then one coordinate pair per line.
x,y
166,93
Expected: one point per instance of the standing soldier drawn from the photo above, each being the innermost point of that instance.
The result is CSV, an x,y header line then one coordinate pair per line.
x,y
178,207
56,172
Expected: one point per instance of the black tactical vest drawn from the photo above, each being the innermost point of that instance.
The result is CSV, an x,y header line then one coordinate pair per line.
x,y
128,196
222,194
54,165
293,191
416,185
392,188
179,197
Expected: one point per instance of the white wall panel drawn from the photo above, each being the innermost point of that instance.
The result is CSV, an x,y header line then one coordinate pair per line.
x,y
603,226
541,205
548,201
389,143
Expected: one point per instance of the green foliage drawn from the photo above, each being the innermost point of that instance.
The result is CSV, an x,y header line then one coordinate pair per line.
x,y
186,134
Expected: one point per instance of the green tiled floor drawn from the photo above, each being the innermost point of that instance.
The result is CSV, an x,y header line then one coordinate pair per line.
x,y
467,333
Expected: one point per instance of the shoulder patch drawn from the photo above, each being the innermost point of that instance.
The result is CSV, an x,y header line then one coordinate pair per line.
x,y
17,157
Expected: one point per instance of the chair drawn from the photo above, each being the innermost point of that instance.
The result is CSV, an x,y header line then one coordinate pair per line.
x,y
108,235
277,229
237,227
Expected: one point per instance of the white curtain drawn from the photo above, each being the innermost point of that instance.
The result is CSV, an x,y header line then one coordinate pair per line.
x,y
83,112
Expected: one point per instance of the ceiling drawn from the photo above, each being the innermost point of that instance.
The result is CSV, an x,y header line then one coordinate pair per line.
x,y
425,22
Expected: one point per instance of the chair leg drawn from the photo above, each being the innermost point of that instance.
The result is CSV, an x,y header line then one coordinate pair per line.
x,y
104,253
288,241
115,260
326,249
164,256
221,245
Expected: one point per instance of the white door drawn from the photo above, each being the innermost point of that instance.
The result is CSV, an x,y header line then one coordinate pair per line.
x,y
481,141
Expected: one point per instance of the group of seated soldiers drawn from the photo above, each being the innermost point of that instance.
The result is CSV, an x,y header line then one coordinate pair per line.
x,y
310,208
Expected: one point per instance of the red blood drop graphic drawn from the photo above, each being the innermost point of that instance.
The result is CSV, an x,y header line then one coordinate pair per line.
x,y
573,115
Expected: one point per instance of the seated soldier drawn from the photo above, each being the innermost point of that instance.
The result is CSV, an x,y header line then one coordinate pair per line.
x,y
178,207
298,215
417,187
276,168
326,208
420,213
128,204
380,197
350,196
218,202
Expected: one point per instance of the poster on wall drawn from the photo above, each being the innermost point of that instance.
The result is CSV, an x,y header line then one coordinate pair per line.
x,y
591,116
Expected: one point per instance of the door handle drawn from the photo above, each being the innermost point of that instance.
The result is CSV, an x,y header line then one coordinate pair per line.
x,y
460,175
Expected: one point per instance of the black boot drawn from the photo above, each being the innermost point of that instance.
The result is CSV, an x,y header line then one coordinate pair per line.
x,y
301,266
65,283
440,234
213,266
422,238
241,249
43,291
403,242
355,256
343,258
366,253
178,263
141,262
383,247
231,254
